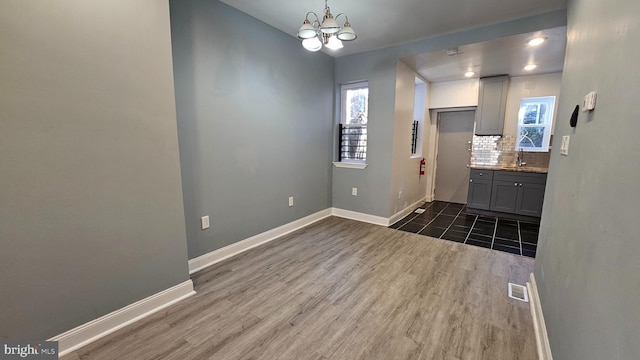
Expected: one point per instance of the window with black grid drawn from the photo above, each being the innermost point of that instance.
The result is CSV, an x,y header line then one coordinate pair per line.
x,y
414,137
353,143
353,123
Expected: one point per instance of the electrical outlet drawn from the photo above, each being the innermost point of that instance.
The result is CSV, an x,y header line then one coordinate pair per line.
x,y
399,194
290,201
354,191
204,222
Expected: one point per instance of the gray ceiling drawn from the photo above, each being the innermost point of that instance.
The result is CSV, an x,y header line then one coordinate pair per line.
x,y
384,23
496,57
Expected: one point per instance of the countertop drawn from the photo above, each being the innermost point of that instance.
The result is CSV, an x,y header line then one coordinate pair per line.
x,y
533,169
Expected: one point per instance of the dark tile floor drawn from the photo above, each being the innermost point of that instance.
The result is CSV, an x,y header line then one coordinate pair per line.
x,y
451,221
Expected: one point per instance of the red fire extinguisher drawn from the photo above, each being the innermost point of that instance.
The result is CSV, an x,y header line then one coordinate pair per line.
x,y
422,166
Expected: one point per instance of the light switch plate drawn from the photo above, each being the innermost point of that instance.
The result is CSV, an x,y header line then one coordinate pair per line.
x,y
204,222
290,201
564,147
589,101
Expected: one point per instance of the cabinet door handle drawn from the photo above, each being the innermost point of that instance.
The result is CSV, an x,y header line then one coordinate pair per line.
x,y
516,184
471,180
520,185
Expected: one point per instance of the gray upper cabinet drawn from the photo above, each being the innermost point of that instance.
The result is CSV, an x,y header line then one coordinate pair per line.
x,y
492,102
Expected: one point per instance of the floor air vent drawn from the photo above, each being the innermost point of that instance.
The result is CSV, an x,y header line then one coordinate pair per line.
x,y
419,211
518,292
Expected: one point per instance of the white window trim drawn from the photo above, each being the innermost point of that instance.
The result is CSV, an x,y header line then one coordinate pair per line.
x,y
419,114
548,127
351,164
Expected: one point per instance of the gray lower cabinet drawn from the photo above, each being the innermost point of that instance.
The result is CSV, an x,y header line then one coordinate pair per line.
x,y
507,191
479,195
504,195
530,198
518,193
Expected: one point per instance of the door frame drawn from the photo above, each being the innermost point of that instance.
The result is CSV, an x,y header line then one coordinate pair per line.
x,y
432,150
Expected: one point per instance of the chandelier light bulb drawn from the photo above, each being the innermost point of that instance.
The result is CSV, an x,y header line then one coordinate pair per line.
x,y
334,43
313,44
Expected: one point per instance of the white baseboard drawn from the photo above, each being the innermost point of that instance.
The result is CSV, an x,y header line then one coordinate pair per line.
x,y
226,252
539,326
234,249
105,325
406,211
354,215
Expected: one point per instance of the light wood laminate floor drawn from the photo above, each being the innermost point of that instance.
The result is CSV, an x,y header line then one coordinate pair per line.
x,y
341,289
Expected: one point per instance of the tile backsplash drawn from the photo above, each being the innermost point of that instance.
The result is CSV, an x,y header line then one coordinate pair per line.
x,y
500,151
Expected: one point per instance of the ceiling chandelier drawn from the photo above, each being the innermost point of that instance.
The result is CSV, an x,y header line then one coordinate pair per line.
x,y
327,32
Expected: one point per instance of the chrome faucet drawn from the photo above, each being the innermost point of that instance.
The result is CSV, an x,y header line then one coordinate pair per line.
x,y
520,159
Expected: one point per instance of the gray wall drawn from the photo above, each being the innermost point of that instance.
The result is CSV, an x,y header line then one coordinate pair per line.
x,y
379,68
407,186
91,216
587,266
373,182
254,120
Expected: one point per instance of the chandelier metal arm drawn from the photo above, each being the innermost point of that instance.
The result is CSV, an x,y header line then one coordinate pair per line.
x,y
345,16
317,19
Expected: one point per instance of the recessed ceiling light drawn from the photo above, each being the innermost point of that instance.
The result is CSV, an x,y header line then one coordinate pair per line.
x,y
453,51
536,41
469,74
530,67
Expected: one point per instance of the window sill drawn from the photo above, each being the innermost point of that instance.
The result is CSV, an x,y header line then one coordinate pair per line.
x,y
349,165
535,150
